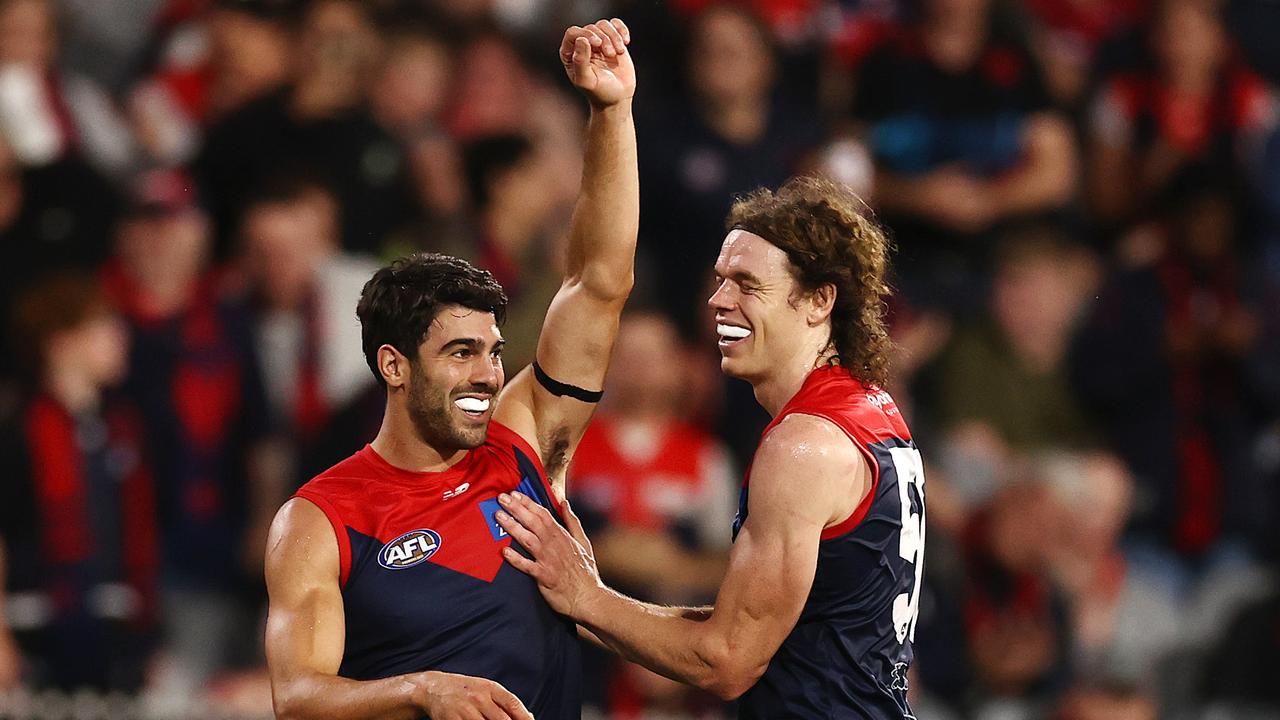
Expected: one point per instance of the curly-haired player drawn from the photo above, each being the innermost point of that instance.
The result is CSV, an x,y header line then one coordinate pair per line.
x,y
816,614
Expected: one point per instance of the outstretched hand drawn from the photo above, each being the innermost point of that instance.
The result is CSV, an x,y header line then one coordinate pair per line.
x,y
596,59
563,564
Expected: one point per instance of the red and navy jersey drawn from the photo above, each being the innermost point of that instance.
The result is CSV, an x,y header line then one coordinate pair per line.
x,y
848,655
424,584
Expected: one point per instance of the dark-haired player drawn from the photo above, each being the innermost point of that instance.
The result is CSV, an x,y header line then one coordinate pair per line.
x,y
388,594
816,614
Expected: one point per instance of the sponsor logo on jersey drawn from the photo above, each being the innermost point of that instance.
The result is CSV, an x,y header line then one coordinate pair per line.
x,y
880,399
490,507
457,491
409,549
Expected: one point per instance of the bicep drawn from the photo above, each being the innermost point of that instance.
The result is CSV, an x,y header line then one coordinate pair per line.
x,y
771,569
305,622
574,347
803,478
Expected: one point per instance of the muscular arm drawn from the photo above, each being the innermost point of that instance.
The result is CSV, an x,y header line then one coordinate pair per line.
x,y
306,636
806,475
578,333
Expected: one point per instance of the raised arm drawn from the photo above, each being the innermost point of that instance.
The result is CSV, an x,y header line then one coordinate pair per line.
x,y
805,476
577,336
306,636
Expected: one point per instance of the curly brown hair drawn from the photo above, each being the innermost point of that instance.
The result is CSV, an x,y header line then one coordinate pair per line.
x,y
830,238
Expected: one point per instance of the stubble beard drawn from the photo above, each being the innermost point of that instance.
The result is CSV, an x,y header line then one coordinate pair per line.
x,y
429,411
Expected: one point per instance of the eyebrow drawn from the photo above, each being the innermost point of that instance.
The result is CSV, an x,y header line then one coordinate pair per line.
x,y
740,276
471,344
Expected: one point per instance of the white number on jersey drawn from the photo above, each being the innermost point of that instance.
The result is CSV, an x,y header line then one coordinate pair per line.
x,y
910,471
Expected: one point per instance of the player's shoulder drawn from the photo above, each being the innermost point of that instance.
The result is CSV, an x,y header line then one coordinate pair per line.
x,y
804,443
863,410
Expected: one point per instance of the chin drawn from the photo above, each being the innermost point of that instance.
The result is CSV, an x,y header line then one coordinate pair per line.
x,y
732,367
472,437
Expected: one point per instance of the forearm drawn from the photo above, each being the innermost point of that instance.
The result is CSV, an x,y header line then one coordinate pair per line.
x,y
673,641
1047,176
606,218
315,696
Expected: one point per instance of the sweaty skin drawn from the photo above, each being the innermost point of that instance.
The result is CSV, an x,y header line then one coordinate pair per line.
x,y
807,475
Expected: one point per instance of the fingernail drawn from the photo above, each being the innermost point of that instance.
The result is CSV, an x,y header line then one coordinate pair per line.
x,y
505,499
500,515
515,494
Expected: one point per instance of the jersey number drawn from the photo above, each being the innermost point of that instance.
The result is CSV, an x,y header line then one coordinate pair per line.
x,y
910,471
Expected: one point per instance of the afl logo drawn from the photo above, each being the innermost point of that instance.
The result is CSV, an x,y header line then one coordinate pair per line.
x,y
409,549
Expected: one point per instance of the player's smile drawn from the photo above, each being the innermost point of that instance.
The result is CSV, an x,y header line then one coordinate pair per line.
x,y
731,334
475,405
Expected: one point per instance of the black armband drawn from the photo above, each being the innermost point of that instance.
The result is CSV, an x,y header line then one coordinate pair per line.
x,y
559,389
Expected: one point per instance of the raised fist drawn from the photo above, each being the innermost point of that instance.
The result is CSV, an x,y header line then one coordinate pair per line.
x,y
596,59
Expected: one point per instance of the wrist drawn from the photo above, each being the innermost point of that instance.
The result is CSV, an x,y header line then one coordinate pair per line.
x,y
620,108
593,610
423,688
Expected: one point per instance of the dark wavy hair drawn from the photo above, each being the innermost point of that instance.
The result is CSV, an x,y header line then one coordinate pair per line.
x,y
827,233
400,301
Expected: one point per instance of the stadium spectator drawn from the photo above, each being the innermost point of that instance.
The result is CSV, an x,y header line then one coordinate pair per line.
x,y
1162,364
47,112
194,377
1124,622
961,128
318,124
1017,627
1072,38
728,133
304,287
78,516
1009,374
1196,104
209,63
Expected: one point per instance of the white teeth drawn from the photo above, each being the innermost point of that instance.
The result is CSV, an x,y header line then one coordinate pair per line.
x,y
732,331
470,404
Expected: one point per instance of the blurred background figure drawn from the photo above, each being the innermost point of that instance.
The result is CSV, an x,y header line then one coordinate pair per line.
x,y
1192,102
318,124
1085,198
965,139
195,379
303,287
79,515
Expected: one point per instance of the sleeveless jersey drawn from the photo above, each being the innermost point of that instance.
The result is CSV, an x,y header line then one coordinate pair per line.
x,y
848,655
424,584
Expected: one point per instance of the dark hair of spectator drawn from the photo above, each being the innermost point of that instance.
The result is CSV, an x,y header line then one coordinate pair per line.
x,y
55,304
485,159
400,301
823,229
287,187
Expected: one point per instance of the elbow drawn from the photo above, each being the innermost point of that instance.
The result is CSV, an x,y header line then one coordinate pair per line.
x,y
606,286
731,684
730,674
287,702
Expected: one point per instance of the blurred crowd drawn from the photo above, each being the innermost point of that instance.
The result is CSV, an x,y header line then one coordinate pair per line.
x,y
1084,196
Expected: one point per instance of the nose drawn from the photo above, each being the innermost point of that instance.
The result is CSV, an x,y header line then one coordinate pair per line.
x,y
722,298
486,371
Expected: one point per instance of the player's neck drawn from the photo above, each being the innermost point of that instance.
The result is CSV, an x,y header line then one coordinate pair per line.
x,y
786,379
399,444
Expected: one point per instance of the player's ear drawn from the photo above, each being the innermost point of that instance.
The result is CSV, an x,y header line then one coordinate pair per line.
x,y
394,366
821,303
